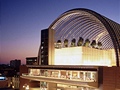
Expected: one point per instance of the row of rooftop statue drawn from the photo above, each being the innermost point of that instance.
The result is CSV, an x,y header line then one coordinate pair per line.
x,y
80,42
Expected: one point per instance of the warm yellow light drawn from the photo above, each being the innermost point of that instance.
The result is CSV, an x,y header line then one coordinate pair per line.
x,y
23,86
84,56
27,87
68,56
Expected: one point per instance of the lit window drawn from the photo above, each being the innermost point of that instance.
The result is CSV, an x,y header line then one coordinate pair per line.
x,y
41,47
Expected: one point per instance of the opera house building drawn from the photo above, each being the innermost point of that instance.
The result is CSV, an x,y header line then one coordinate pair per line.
x,y
80,50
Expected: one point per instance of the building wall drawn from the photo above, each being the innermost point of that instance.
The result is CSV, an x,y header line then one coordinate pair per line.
x,y
111,78
23,69
25,82
3,84
68,56
15,63
118,78
84,56
15,82
69,77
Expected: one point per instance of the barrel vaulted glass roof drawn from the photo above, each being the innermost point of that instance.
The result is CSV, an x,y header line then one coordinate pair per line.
x,y
90,25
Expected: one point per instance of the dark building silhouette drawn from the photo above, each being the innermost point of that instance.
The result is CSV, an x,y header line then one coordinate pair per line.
x,y
44,47
32,61
15,63
10,73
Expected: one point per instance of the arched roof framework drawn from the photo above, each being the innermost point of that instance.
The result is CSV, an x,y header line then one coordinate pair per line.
x,y
88,25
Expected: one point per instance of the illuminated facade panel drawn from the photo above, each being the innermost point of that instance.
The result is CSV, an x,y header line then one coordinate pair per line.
x,y
84,56
68,56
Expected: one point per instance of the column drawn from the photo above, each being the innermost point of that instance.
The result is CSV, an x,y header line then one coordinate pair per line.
x,y
70,74
78,74
84,76
59,74
51,47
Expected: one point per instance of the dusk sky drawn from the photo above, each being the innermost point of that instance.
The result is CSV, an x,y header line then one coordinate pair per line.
x,y
21,22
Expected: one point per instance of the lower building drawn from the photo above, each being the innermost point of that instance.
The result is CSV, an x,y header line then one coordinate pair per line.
x,y
61,77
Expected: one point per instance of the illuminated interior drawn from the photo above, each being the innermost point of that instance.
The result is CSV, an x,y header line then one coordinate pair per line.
x,y
84,56
84,76
2,78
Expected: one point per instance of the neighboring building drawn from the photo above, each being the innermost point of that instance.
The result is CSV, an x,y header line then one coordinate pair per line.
x,y
15,78
3,81
15,63
15,82
32,61
2,77
7,72
71,63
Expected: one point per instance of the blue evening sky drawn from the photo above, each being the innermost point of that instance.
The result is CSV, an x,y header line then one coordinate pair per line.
x,y
22,20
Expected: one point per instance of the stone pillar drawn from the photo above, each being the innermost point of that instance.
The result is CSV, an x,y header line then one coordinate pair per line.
x,y
51,47
59,74
84,76
78,74
70,74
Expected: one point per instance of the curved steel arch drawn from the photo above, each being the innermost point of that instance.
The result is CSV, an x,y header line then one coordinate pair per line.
x,y
89,25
